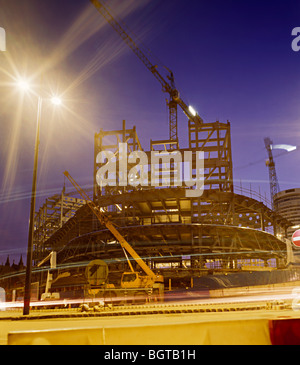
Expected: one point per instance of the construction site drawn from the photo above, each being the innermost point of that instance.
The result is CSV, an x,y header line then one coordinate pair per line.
x,y
139,235
180,236
161,230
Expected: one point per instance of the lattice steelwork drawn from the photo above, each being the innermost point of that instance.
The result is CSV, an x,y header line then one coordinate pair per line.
x,y
162,223
51,216
215,140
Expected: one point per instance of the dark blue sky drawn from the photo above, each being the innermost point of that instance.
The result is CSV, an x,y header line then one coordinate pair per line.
x,y
232,60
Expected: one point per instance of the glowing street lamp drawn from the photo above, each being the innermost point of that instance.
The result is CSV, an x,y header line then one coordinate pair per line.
x,y
25,86
56,100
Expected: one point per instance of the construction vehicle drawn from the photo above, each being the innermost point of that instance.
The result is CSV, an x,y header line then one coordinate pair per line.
x,y
167,86
132,279
47,295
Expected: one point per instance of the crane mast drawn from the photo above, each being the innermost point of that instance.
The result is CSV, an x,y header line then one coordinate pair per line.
x,y
167,86
274,185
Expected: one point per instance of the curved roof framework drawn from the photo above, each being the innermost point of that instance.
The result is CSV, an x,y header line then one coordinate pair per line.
x,y
162,223
160,241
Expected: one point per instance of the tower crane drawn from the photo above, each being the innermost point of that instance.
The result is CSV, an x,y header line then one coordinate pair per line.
x,y
168,85
274,185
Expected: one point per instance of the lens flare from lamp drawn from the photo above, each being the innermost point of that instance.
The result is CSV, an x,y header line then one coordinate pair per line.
x,y
56,100
23,84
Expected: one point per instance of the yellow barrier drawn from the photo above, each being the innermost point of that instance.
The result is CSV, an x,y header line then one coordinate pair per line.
x,y
235,332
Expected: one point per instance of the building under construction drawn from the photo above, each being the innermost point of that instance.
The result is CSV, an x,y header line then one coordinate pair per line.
x,y
179,236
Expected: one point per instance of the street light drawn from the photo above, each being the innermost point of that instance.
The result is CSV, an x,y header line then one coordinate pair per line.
x,y
25,86
56,100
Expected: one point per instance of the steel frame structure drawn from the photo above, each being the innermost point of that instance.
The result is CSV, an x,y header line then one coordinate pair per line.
x,y
211,138
50,217
162,223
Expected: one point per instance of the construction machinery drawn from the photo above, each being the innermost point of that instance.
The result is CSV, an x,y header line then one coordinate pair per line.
x,y
168,85
47,295
131,279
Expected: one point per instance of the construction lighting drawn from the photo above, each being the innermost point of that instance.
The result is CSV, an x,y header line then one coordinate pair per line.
x,y
192,111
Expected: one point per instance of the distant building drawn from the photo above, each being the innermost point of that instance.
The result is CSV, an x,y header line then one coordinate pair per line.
x,y
287,203
8,268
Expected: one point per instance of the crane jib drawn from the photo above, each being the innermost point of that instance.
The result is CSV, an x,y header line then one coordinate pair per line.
x,y
166,86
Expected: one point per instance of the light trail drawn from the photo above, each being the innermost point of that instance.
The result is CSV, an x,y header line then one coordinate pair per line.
x,y
258,295
242,295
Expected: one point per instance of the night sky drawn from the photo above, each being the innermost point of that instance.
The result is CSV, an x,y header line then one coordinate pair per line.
x,y
232,60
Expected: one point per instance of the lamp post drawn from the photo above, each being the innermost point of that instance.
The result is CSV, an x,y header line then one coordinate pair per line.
x,y
27,291
32,210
